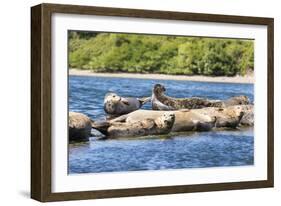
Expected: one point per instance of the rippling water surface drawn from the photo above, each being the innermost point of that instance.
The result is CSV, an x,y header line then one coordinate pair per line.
x,y
184,150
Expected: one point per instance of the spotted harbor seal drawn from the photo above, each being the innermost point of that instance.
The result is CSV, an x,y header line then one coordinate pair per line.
x,y
116,105
228,117
185,120
231,116
149,126
160,101
195,119
79,127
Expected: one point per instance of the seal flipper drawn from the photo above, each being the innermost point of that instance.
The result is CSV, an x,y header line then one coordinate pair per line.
x,y
144,100
124,101
157,105
184,110
120,119
101,126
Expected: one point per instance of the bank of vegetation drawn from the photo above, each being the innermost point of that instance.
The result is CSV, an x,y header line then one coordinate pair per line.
x,y
132,53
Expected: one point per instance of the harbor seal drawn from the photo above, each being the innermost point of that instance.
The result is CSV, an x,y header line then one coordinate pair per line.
x,y
185,120
149,126
79,127
195,119
160,101
237,100
228,117
116,105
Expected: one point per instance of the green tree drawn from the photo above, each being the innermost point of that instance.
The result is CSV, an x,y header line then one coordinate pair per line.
x,y
137,53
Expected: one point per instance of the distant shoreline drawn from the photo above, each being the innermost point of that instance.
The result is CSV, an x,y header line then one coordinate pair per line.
x,y
197,78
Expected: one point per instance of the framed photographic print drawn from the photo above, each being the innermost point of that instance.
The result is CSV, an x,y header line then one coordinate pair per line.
x,y
130,102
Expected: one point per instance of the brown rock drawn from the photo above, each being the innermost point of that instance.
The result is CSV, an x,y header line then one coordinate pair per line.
x,y
79,127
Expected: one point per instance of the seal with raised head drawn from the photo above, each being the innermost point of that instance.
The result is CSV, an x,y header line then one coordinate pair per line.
x,y
160,101
116,105
149,126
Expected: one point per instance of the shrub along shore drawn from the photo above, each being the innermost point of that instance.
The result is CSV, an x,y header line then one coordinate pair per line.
x,y
156,54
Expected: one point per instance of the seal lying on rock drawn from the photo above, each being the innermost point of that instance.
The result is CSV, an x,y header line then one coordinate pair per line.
x,y
185,120
162,102
232,116
116,105
149,126
79,127
228,117
192,120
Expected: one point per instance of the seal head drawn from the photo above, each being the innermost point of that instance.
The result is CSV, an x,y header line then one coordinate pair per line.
x,y
116,105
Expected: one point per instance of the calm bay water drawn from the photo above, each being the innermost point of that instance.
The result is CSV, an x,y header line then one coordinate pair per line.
x,y
184,150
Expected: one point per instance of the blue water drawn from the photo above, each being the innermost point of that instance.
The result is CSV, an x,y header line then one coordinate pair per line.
x,y
184,150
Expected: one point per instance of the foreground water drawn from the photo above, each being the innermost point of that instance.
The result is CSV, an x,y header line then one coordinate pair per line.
x,y
185,150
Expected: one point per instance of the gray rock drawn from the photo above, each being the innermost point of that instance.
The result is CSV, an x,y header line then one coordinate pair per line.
x,y
248,117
